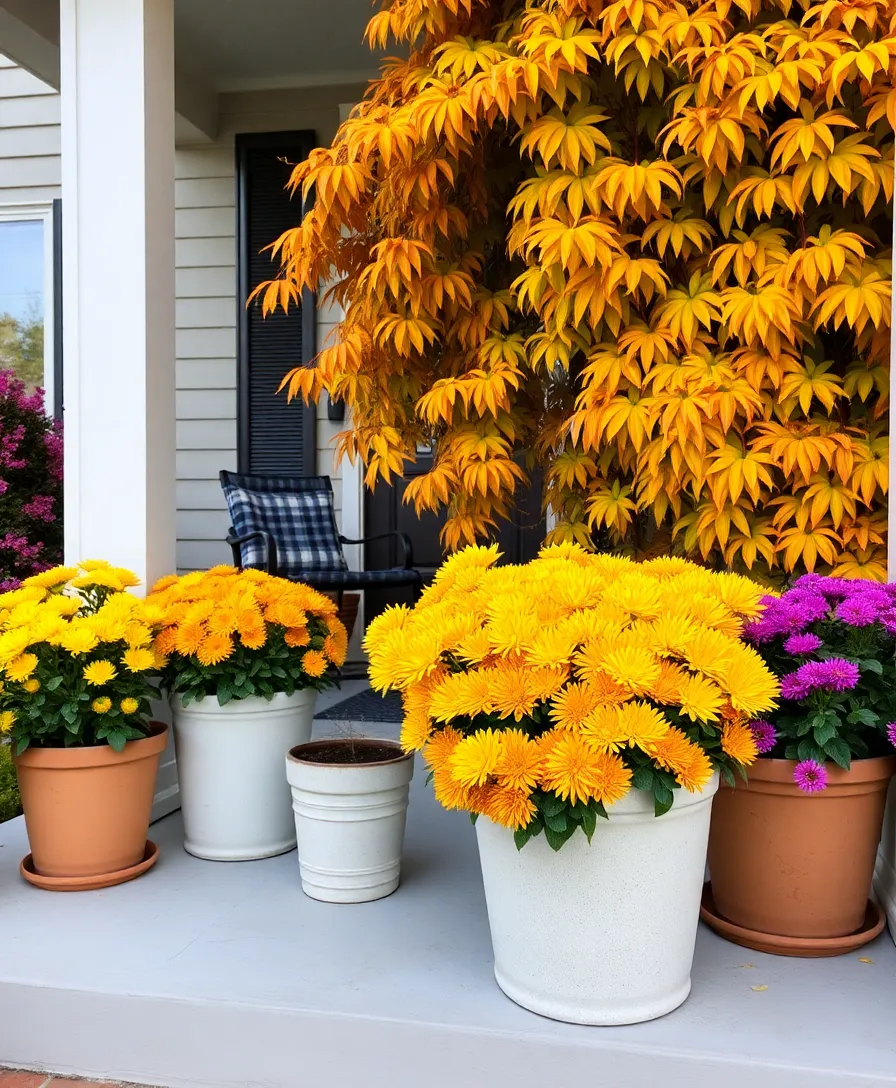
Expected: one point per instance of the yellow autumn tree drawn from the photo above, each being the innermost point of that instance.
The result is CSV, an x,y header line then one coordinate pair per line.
x,y
642,244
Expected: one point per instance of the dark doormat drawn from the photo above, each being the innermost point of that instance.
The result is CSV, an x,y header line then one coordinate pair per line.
x,y
368,706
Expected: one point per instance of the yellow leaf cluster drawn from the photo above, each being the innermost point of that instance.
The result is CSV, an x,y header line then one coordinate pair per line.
x,y
642,245
568,674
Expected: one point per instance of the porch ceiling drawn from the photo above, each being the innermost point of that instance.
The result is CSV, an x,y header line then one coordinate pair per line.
x,y
241,45
222,46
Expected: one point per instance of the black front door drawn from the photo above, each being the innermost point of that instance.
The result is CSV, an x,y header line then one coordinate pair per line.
x,y
386,512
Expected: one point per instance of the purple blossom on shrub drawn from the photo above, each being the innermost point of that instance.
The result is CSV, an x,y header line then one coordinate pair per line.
x,y
31,484
891,733
765,736
810,776
802,644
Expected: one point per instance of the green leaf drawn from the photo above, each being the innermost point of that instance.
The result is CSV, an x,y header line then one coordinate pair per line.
x,y
864,716
727,775
522,835
871,664
117,740
557,838
556,821
589,823
662,799
642,779
838,751
53,683
550,804
824,733
808,749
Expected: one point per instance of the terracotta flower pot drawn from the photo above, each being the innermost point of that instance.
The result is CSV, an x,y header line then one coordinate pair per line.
x,y
797,864
87,810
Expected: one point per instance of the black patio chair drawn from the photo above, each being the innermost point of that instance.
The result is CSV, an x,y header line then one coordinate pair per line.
x,y
286,525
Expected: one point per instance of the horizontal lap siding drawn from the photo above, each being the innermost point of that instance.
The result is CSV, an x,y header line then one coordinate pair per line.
x,y
206,350
30,166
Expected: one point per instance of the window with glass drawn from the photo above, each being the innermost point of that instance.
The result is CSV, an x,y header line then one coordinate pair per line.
x,y
26,290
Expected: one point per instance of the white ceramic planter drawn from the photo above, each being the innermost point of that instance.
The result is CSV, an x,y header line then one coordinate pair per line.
x,y
600,934
349,820
885,870
236,806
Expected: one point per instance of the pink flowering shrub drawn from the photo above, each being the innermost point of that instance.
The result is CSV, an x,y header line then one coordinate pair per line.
x,y
30,484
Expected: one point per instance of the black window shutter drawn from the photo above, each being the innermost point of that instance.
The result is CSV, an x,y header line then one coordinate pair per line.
x,y
275,438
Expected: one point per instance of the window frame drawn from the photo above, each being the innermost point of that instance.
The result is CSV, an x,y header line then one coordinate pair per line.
x,y
46,213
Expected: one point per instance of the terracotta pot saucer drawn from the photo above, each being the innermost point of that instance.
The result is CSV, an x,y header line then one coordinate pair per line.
x,y
89,883
803,947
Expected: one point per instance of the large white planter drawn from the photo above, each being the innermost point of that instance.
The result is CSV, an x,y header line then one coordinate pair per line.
x,y
236,806
885,870
600,934
349,820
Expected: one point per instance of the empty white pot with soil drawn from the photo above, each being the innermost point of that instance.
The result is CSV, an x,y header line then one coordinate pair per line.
x,y
236,806
350,800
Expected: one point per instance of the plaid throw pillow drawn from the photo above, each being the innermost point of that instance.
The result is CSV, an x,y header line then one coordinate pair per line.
x,y
301,522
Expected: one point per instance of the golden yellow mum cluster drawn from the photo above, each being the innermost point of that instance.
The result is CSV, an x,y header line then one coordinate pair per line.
x,y
78,610
566,674
208,614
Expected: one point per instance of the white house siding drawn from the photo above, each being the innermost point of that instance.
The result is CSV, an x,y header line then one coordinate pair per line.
x,y
206,302
30,171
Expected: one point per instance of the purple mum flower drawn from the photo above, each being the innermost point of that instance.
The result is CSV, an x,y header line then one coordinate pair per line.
x,y
764,734
888,619
810,776
794,686
802,644
857,611
839,674
891,733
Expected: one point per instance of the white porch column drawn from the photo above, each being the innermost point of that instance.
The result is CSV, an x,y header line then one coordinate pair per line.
x,y
117,82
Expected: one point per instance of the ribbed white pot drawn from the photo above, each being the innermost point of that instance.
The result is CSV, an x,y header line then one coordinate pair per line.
x,y
600,934
235,804
349,820
885,870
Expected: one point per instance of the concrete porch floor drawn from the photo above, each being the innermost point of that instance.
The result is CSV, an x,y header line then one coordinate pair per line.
x,y
209,975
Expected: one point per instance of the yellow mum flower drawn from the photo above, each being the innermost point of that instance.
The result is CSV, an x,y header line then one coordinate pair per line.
x,y
700,699
141,659
440,748
137,635
20,668
520,761
748,683
214,649
189,638
297,636
98,579
98,673
12,644
512,691
165,583
129,706
508,807
314,663
102,705
49,579
738,743
78,640
572,705
642,724
688,762
253,637
635,669
602,730
165,641
450,793
7,720
572,769
95,564
32,686
476,757
336,647
416,729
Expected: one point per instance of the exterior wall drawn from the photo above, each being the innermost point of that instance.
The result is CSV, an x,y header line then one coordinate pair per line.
x,y
206,315
30,171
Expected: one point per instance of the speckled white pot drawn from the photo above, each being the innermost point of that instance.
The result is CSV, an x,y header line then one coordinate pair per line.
x,y
350,820
236,805
600,934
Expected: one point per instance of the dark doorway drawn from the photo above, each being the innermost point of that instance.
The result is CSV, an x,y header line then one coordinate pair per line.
x,y
386,512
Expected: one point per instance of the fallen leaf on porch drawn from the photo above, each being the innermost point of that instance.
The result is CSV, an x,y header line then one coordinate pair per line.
x,y
759,989
748,965
864,959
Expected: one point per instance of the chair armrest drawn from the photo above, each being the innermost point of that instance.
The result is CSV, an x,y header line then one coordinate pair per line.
x,y
407,549
270,548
